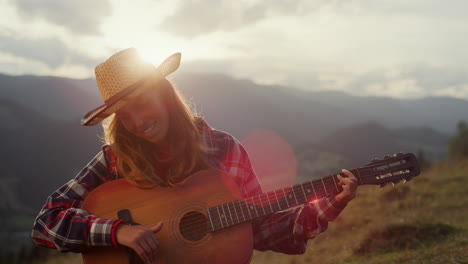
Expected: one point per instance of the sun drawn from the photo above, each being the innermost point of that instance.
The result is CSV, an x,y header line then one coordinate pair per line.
x,y
152,54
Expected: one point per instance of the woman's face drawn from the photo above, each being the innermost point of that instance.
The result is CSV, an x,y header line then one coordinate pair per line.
x,y
146,115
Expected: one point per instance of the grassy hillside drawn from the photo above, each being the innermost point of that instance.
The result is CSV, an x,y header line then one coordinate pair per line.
x,y
422,221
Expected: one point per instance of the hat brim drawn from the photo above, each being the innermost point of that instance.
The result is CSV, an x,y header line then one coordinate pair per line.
x,y
114,103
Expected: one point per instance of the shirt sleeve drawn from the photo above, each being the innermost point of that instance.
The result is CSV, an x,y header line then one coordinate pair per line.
x,y
286,231
63,225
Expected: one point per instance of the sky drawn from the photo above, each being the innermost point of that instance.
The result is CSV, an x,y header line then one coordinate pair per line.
x,y
395,48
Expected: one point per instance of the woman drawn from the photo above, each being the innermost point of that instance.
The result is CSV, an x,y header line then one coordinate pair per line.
x,y
153,139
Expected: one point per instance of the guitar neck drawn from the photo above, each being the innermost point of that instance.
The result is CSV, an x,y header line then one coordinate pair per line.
x,y
240,211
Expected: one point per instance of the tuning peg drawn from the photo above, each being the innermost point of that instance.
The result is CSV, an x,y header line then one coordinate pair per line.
x,y
399,153
386,156
404,181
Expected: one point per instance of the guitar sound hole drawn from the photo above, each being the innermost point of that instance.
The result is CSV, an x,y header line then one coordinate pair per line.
x,y
193,226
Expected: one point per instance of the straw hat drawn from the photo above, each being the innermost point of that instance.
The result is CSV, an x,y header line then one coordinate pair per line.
x,y
121,75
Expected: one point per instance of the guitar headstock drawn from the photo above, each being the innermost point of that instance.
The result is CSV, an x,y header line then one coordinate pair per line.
x,y
395,168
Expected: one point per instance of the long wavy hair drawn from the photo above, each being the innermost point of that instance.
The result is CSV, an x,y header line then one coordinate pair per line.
x,y
141,163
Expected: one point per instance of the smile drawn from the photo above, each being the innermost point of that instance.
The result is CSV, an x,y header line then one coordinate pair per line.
x,y
150,128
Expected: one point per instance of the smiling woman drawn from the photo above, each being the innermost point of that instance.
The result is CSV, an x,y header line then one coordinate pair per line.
x,y
153,140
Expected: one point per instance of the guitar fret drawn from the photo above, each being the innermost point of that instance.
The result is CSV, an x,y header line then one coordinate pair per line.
x,y
220,219
328,185
262,205
269,202
277,200
359,176
224,215
313,189
336,186
254,206
324,187
229,210
246,205
211,221
295,198
317,187
242,211
285,197
234,210
305,196
231,206
309,190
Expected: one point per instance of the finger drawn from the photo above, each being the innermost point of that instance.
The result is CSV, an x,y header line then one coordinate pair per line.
x,y
147,252
343,180
348,173
347,181
346,188
150,247
340,179
157,227
153,243
139,250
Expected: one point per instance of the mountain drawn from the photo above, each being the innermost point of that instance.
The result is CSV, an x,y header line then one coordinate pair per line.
x,y
440,113
316,113
239,106
358,144
54,97
39,153
44,146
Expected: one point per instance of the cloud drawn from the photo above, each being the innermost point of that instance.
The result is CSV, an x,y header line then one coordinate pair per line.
x,y
208,66
197,17
51,52
412,82
460,91
435,78
429,8
81,17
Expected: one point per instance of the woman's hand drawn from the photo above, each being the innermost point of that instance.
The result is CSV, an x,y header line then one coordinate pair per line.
x,y
349,185
141,239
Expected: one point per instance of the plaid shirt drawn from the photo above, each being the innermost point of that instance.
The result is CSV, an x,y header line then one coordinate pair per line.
x,y
63,225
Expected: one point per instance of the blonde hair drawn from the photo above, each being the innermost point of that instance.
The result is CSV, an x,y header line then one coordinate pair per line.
x,y
136,159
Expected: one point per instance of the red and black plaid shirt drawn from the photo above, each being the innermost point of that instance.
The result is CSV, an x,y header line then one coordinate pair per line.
x,y
63,225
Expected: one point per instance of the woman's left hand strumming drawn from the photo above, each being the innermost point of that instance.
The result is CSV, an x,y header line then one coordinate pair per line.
x,y
349,185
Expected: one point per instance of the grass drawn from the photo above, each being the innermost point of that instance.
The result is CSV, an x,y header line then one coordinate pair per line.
x,y
422,221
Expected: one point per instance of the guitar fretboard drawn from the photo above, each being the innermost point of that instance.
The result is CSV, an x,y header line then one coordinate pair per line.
x,y
240,211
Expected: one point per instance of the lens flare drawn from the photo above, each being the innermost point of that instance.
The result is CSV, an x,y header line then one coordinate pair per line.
x,y
272,158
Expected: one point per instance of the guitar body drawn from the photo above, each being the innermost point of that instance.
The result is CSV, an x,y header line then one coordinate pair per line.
x,y
175,207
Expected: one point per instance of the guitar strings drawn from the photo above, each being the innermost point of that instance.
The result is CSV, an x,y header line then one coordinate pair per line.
x,y
261,199
259,202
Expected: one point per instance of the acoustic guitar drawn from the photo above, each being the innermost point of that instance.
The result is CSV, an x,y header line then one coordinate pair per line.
x,y
207,220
